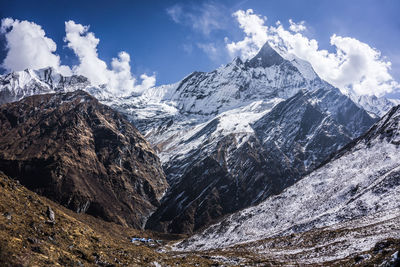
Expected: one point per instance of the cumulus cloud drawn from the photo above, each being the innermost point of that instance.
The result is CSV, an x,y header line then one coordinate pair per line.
x,y
84,44
28,47
354,66
203,18
118,79
255,34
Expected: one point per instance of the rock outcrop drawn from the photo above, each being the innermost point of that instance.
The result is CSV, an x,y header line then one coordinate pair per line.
x,y
81,154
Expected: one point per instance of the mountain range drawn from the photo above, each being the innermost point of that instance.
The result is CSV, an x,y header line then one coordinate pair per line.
x,y
248,129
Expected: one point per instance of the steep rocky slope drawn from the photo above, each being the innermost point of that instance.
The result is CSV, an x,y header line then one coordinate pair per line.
x,y
351,203
29,238
310,126
81,154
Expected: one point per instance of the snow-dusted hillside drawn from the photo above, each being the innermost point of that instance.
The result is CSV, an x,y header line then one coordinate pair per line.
x,y
363,179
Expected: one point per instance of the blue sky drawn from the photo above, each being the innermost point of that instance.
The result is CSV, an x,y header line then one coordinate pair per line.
x,y
172,47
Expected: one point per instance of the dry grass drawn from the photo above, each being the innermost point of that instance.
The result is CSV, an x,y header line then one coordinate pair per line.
x,y
27,238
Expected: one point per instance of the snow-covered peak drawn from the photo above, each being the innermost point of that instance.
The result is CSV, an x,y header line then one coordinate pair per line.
x,y
17,85
48,75
237,84
375,106
303,66
265,58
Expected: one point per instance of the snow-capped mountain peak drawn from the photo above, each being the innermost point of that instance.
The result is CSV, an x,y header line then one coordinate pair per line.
x,y
19,84
268,75
265,58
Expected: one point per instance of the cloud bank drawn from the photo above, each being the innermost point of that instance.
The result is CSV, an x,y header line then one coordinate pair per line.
x,y
354,66
28,47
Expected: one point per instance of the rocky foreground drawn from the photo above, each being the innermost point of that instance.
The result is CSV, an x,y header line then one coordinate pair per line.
x,y
29,236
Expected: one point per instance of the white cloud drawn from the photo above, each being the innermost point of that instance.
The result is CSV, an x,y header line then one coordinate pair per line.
x,y
119,79
84,44
28,47
147,82
353,66
255,34
297,27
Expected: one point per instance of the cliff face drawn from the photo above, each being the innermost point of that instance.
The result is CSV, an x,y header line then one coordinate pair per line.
x,y
82,154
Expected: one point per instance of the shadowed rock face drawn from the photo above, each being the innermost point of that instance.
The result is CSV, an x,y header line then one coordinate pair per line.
x,y
228,180
265,58
82,154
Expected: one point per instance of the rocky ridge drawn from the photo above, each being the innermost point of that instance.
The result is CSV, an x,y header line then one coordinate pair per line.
x,y
81,154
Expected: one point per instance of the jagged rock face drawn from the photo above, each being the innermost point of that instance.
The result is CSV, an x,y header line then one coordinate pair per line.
x,y
306,130
265,58
231,178
82,154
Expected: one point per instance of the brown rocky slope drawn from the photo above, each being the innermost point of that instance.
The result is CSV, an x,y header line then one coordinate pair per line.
x,y
29,238
81,154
